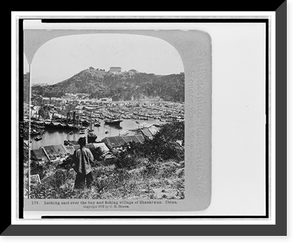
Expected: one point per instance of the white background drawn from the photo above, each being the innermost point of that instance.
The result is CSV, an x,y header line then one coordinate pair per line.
x,y
238,120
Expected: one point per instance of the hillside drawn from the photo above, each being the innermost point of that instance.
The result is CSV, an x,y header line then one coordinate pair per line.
x,y
123,86
152,170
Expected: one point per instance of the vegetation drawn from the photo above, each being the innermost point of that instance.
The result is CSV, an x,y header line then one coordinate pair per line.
x,y
118,86
161,148
162,180
152,170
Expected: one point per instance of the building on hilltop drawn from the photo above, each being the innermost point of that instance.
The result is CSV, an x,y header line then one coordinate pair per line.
x,y
115,70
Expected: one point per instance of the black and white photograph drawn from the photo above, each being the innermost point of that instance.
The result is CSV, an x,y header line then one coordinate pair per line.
x,y
104,119
126,123
108,116
120,117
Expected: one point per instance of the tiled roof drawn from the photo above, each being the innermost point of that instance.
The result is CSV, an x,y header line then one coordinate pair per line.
x,y
52,152
118,141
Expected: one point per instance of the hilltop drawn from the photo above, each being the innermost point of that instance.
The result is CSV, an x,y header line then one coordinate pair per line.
x,y
118,86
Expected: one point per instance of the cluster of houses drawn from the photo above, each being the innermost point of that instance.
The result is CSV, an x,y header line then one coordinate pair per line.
x,y
108,146
93,110
76,98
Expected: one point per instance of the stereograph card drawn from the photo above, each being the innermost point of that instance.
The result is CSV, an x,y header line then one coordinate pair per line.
x,y
141,98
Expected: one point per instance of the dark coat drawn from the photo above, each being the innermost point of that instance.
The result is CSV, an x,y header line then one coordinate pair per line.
x,y
86,155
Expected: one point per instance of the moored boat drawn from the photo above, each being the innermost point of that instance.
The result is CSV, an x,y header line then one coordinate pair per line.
x,y
113,121
34,132
85,123
38,138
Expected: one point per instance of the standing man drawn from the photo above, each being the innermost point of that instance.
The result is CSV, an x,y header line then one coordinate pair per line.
x,y
83,158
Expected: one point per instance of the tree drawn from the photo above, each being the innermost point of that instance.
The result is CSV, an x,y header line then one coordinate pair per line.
x,y
163,146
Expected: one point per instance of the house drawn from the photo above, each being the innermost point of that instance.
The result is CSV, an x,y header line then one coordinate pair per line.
x,y
60,152
119,141
46,100
102,147
148,132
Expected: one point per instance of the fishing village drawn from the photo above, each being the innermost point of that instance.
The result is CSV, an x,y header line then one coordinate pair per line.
x,y
132,123
76,113
110,127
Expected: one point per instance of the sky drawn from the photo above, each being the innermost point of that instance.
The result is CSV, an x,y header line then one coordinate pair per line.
x,y
61,58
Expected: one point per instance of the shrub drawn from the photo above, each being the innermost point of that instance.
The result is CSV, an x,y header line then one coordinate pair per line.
x,y
97,153
36,168
154,150
126,160
60,178
67,163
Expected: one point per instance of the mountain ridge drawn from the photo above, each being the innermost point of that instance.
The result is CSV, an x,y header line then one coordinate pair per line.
x,y
118,86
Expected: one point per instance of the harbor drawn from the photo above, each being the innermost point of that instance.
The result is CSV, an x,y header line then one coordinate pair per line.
x,y
55,137
132,121
63,120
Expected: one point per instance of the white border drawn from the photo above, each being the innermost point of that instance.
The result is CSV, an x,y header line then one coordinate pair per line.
x,y
14,104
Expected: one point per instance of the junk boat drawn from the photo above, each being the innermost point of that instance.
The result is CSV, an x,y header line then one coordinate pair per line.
x,y
34,132
85,123
113,121
38,138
